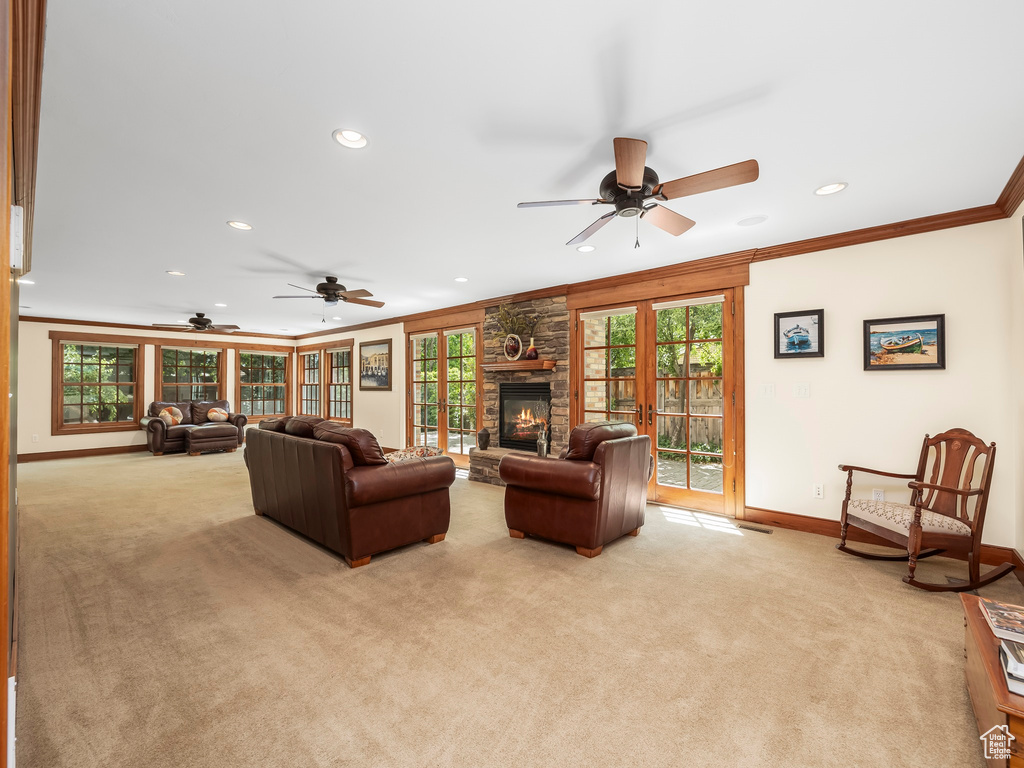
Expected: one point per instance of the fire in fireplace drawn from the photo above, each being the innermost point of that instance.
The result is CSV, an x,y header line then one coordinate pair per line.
x,y
524,411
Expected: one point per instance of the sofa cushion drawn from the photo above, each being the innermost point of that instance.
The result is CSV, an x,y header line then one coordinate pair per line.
x,y
361,443
179,431
201,410
586,437
185,408
171,416
301,426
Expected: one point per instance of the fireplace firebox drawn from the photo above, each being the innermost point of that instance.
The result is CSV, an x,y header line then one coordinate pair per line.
x,y
524,411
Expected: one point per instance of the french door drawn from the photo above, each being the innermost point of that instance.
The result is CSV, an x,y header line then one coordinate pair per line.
x,y
443,407
668,367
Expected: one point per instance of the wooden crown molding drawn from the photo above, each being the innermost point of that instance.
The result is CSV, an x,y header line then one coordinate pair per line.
x,y
1013,193
883,232
29,33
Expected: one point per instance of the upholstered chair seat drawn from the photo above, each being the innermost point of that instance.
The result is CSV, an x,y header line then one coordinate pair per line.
x,y
899,517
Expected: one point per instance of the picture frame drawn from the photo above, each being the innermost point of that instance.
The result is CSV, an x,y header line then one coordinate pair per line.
x,y
799,334
375,365
913,343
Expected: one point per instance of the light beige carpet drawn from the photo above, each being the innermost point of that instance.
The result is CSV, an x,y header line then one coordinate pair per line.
x,y
163,624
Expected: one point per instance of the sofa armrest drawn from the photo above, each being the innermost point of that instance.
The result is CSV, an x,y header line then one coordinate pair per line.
x,y
375,483
579,479
238,419
152,424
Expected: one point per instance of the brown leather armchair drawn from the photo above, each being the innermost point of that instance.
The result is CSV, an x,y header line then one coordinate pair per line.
x,y
333,485
161,438
595,492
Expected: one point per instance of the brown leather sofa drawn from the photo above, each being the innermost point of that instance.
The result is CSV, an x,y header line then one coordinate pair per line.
x,y
333,485
161,438
593,493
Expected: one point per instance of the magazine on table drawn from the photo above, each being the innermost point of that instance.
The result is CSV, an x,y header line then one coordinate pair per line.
x,y
1006,621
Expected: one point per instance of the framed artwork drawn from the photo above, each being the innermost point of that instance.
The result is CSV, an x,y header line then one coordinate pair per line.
x,y
800,334
375,365
905,343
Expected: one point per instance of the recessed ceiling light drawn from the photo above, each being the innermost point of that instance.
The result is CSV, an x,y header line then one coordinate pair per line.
x,y
335,318
240,225
461,279
587,248
349,138
220,305
831,189
752,221
23,281
175,272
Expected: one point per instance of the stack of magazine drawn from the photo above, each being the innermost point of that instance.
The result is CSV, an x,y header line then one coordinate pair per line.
x,y
1007,623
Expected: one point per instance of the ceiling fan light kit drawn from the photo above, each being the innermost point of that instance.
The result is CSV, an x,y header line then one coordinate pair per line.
x,y
632,184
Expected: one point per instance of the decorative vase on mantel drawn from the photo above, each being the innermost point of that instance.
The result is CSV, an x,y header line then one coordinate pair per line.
x,y
483,439
531,351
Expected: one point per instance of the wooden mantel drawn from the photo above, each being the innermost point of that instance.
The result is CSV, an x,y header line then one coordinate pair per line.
x,y
519,365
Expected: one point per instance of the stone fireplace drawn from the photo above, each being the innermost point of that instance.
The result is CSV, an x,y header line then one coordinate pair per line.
x,y
551,337
524,412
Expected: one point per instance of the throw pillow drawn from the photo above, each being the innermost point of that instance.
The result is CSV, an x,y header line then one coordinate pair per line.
x,y
217,414
170,416
360,442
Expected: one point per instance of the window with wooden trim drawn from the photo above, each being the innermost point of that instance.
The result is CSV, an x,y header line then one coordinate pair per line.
x,y
309,388
339,385
190,374
96,387
263,381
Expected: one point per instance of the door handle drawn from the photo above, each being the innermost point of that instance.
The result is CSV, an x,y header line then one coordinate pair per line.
x,y
650,414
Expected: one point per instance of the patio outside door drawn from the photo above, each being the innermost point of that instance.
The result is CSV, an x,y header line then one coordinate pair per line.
x,y
666,366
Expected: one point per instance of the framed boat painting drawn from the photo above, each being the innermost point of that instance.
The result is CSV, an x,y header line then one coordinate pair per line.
x,y
800,334
905,343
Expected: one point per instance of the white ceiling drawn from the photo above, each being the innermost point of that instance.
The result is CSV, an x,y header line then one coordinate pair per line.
x,y
163,120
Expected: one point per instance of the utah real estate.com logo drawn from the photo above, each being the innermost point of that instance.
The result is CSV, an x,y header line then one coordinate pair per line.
x,y
997,742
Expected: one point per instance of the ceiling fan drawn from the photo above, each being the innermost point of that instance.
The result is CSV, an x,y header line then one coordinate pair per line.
x,y
198,323
632,184
331,291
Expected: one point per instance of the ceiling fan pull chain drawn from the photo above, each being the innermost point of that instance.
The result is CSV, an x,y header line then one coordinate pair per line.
x,y
637,244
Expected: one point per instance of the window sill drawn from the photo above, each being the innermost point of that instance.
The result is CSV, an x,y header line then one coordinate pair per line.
x,y
89,429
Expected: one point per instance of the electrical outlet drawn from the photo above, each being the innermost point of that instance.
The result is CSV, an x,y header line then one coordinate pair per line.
x,y
35,438
768,390
802,390
877,494
819,491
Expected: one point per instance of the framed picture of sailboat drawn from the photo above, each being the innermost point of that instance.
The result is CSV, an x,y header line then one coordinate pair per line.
x,y
800,334
905,343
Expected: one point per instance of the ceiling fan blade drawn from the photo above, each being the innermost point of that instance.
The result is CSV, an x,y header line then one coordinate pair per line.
x,y
293,285
176,326
668,220
591,229
366,302
729,176
356,294
224,327
549,203
630,158
314,296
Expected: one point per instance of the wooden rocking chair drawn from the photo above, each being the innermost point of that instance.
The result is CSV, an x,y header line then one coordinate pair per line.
x,y
939,516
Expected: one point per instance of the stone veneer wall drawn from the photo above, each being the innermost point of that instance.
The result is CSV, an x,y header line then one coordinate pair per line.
x,y
552,341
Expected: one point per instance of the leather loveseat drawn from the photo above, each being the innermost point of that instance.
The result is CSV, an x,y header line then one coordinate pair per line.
x,y
333,484
593,493
164,438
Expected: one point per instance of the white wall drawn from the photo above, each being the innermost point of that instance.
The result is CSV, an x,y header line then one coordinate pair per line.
x,y
382,413
878,418
1016,224
35,385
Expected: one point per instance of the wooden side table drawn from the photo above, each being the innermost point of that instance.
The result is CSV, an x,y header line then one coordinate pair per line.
x,y
994,705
